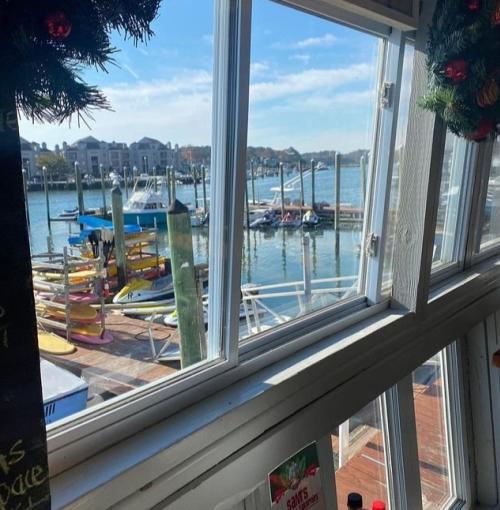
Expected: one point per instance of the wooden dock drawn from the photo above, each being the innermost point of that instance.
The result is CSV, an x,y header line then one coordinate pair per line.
x,y
124,364
365,470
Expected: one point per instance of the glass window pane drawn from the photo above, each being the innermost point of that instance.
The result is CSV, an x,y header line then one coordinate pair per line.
x,y
431,418
312,96
404,107
360,457
491,224
157,138
451,202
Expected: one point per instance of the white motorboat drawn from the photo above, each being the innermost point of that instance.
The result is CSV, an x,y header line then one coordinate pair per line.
x,y
310,219
147,204
139,290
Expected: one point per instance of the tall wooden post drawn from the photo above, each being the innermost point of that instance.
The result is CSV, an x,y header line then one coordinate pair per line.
x,y
118,227
362,170
313,184
191,326
194,173
46,189
169,185
126,177
154,177
252,174
247,208
25,188
23,447
337,205
174,184
203,178
79,189
103,190
282,191
301,174
306,259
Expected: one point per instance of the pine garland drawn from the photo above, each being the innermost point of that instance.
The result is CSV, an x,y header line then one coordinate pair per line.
x,y
44,44
463,63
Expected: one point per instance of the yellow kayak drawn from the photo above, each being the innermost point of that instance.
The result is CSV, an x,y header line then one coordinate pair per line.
x,y
83,313
137,264
51,343
74,277
87,329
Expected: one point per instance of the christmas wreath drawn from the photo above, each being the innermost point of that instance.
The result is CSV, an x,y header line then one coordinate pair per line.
x,y
463,62
44,44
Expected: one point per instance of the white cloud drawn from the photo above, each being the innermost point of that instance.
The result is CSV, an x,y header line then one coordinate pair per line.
x,y
259,68
326,40
303,57
308,81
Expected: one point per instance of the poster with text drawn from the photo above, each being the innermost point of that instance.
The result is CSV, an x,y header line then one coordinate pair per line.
x,y
296,483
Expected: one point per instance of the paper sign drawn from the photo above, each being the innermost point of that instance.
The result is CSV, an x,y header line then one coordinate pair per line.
x,y
296,483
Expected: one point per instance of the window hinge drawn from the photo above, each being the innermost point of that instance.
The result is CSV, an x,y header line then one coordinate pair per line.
x,y
372,243
386,94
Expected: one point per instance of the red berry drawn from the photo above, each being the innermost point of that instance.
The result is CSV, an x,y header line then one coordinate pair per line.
x,y
474,5
457,70
58,25
485,128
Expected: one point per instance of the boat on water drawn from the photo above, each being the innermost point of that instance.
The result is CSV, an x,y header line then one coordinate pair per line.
x,y
139,290
147,206
290,221
321,166
310,219
268,219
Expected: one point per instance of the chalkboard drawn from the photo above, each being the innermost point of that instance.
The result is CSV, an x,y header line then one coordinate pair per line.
x,y
24,479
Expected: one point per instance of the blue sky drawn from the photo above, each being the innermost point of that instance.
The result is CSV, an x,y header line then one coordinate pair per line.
x,y
312,83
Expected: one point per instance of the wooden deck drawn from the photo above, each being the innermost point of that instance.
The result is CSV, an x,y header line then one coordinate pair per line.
x,y
365,470
124,364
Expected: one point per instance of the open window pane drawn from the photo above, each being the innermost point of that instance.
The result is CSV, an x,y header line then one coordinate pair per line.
x,y
451,202
156,145
491,224
431,417
312,98
360,457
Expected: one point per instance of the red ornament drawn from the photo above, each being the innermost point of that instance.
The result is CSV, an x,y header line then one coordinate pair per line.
x,y
485,128
473,5
58,25
457,70
495,15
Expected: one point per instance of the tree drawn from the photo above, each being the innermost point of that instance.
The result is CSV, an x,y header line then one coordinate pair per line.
x,y
57,167
43,45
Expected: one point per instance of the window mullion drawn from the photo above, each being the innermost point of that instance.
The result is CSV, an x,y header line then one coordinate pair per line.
x,y
230,114
401,446
383,161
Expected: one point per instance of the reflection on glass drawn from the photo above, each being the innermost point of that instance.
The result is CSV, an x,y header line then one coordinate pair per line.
x,y
312,97
431,422
404,107
157,138
491,224
360,457
451,201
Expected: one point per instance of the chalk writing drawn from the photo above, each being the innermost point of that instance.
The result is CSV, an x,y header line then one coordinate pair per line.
x,y
19,484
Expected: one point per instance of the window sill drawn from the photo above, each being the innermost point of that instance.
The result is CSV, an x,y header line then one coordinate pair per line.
x,y
361,361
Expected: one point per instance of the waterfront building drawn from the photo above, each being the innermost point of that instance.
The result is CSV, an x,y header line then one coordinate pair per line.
x,y
149,152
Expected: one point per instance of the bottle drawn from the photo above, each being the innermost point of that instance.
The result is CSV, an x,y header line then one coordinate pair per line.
x,y
378,505
354,501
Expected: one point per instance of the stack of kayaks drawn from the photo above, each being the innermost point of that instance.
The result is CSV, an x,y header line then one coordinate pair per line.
x,y
65,289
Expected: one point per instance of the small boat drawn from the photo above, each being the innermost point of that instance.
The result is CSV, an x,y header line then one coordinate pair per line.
x,y
146,206
310,219
69,214
321,166
268,219
146,290
289,221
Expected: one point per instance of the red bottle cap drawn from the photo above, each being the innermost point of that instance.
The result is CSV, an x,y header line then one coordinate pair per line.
x,y
378,505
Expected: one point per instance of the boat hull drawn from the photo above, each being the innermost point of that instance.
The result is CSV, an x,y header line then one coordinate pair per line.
x,y
145,218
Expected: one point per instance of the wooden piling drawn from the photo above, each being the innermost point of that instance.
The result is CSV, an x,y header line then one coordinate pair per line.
x,y
313,185
306,259
362,168
174,184
337,205
103,189
301,173
169,184
154,178
204,184
247,208
126,177
194,174
79,189
282,191
252,175
46,189
191,326
118,227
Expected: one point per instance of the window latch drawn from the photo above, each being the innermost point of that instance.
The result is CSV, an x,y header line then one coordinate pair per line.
x,y
372,245
386,94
